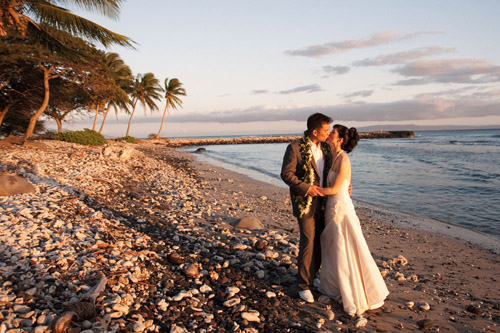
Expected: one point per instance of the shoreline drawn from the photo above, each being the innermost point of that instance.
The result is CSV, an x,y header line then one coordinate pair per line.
x,y
161,227
402,219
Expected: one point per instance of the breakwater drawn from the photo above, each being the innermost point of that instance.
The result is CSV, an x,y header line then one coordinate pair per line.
x,y
186,142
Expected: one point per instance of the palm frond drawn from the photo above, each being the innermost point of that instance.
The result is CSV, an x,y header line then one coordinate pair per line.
x,y
62,19
109,8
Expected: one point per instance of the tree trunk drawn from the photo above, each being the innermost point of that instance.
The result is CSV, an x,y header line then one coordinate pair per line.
x,y
130,120
104,119
162,119
59,125
3,113
96,113
34,118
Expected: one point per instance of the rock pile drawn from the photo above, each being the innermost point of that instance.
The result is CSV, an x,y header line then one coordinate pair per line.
x,y
145,225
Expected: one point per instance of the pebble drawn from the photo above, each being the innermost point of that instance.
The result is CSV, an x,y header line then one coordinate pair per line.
x,y
329,314
270,294
252,316
425,324
423,306
360,322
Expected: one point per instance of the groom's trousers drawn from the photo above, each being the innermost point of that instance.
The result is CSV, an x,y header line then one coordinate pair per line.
x,y
309,261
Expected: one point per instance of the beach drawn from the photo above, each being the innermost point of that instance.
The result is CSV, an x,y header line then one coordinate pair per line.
x,y
166,234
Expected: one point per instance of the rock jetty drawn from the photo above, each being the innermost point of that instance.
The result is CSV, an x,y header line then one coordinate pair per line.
x,y
186,142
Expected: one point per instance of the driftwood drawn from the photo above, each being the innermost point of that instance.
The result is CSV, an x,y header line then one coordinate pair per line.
x,y
83,309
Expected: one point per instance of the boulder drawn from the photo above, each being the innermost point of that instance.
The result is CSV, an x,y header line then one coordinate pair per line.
x,y
200,150
251,223
10,185
125,155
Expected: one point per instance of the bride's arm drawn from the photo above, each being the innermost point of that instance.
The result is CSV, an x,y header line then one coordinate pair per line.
x,y
345,169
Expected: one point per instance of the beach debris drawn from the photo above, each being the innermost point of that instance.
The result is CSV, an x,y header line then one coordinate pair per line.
x,y
82,309
399,260
410,304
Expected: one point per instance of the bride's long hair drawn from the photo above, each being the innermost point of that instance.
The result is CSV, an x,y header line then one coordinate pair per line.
x,y
350,136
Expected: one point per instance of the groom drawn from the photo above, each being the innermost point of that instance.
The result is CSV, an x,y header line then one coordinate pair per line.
x,y
304,170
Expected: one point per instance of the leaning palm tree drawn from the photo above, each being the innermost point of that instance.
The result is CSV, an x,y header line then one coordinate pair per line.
x,y
173,88
146,90
39,19
123,80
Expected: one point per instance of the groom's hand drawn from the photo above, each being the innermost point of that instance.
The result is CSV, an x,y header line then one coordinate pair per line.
x,y
350,189
314,191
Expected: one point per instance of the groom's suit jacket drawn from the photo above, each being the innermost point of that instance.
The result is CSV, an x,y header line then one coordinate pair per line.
x,y
292,172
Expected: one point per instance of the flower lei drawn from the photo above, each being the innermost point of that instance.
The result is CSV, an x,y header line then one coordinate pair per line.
x,y
304,203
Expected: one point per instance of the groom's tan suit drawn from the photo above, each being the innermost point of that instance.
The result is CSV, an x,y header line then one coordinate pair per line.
x,y
311,224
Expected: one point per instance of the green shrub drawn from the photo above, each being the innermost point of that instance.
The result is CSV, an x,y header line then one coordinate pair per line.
x,y
85,137
129,139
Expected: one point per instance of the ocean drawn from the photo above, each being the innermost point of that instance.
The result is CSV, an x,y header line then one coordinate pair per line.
x,y
449,176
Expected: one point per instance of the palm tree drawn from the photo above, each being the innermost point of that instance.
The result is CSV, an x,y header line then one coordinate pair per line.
x,y
44,22
40,19
173,88
146,90
123,80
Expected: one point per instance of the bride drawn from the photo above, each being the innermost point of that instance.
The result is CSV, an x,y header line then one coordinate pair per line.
x,y
348,272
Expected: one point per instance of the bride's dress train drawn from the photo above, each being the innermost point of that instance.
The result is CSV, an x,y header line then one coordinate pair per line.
x,y
348,272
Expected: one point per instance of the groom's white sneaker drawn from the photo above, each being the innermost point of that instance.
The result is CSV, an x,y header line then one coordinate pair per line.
x,y
306,295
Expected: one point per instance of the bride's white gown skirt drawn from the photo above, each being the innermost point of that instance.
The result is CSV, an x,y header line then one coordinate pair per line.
x,y
348,272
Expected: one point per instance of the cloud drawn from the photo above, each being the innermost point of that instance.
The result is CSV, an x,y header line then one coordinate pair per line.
x,y
259,92
403,57
377,39
336,70
361,93
448,71
309,89
447,104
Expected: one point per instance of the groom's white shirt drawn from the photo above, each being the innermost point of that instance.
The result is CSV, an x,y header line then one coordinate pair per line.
x,y
319,158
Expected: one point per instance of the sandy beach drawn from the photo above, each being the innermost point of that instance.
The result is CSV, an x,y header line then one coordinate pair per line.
x,y
161,230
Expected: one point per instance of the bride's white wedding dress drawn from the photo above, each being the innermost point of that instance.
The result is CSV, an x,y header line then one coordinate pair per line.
x,y
348,271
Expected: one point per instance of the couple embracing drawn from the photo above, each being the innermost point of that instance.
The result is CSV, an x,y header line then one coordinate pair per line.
x,y
318,172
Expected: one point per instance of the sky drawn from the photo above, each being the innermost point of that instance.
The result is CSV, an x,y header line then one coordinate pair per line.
x,y
263,66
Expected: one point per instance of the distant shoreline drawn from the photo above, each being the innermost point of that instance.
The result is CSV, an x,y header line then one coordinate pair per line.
x,y
187,142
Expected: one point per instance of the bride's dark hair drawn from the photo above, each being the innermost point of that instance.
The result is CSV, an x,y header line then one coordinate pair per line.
x,y
350,136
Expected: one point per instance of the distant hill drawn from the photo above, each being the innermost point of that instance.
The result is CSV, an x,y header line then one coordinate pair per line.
x,y
411,127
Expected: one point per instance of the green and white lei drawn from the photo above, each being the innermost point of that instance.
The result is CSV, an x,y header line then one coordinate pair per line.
x,y
304,203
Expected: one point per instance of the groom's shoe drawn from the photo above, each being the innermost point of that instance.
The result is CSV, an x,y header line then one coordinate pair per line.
x,y
306,295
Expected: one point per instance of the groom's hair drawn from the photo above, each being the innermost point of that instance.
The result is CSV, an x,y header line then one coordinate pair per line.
x,y
316,121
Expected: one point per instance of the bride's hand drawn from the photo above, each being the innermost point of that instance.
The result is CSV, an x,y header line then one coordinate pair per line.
x,y
322,191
